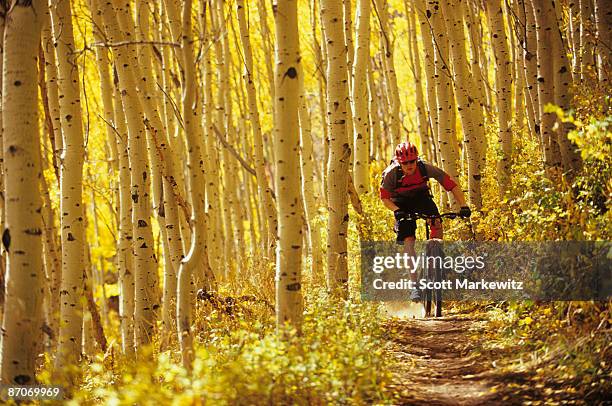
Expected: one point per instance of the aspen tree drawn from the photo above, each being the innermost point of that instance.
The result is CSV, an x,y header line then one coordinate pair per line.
x,y
172,182
96,273
141,67
384,105
518,99
422,123
337,173
177,141
348,38
87,342
22,235
144,72
146,287
526,89
573,29
320,69
387,45
503,89
176,224
287,173
239,133
3,8
470,111
430,79
143,256
570,159
224,118
71,180
51,258
125,252
361,168
198,249
471,17
106,88
215,220
309,192
603,23
348,43
587,61
266,44
543,10
233,178
374,121
263,188
53,261
47,44
445,106
106,91
530,61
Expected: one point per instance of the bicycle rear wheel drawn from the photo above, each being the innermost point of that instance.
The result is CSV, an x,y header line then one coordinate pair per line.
x,y
427,293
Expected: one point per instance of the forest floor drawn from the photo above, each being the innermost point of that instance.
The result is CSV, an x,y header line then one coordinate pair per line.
x,y
444,361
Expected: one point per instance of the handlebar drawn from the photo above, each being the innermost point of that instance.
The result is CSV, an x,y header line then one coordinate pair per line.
x,y
416,216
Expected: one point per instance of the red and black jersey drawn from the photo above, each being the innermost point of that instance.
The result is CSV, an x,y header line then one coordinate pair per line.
x,y
396,185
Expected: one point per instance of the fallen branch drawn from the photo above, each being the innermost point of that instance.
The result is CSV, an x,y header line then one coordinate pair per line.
x,y
176,193
231,149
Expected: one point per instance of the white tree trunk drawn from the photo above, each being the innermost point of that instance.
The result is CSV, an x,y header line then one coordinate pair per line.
x,y
387,45
71,206
544,12
125,252
361,156
22,235
430,78
309,192
603,22
447,140
287,143
470,111
587,60
337,173
422,122
143,256
503,89
198,249
264,191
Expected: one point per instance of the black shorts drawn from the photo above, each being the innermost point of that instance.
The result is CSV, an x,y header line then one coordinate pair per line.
x,y
421,203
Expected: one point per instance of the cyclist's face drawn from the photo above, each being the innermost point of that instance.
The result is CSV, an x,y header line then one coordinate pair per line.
x,y
408,167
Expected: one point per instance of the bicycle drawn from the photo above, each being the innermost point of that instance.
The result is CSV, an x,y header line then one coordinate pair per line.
x,y
435,273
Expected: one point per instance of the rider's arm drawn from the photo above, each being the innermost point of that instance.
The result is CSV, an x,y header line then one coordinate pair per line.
x,y
387,187
459,196
447,182
389,204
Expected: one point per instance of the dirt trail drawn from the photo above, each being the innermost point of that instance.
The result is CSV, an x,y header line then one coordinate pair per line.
x,y
437,365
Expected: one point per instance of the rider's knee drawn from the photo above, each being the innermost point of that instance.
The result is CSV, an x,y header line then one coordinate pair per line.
x,y
409,241
437,230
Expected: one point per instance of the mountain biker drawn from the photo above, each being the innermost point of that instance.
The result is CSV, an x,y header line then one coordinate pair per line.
x,y
405,189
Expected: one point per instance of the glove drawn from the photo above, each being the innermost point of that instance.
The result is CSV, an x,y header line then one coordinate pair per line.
x,y
399,214
465,212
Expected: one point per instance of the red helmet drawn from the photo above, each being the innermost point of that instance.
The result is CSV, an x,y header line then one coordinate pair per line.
x,y
406,151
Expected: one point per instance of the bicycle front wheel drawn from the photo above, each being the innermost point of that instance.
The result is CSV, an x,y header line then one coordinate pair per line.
x,y
434,249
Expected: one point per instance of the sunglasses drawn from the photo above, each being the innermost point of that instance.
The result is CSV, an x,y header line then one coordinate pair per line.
x,y
408,162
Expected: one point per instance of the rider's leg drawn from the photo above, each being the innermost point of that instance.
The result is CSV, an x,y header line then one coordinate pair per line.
x,y
409,249
436,228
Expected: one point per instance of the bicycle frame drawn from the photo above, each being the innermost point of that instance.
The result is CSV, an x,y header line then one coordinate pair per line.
x,y
432,274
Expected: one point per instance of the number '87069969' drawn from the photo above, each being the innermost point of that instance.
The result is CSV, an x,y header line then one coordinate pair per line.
x,y
30,392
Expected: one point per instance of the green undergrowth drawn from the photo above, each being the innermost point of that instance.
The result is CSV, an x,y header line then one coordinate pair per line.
x,y
338,359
